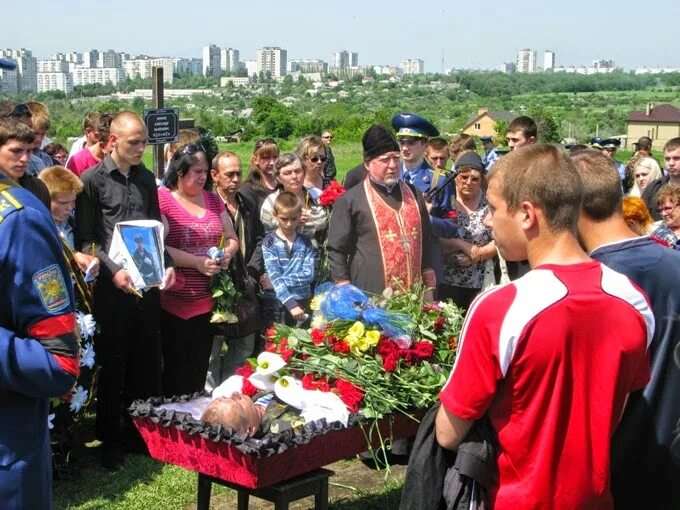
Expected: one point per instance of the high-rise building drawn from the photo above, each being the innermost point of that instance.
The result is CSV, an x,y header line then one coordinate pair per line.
x,y
548,60
251,67
307,66
109,58
271,60
354,59
192,66
340,59
142,67
211,61
412,66
508,67
90,58
526,61
27,68
229,60
55,81
9,82
103,75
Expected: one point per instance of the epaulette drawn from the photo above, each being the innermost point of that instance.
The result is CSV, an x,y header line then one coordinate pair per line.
x,y
8,204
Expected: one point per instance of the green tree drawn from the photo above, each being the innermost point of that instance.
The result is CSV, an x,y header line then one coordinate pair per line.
x,y
548,131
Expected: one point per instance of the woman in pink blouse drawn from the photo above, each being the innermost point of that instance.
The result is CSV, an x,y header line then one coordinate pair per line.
x,y
195,220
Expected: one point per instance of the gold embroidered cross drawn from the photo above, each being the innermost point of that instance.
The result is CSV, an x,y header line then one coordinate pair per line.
x,y
414,233
390,236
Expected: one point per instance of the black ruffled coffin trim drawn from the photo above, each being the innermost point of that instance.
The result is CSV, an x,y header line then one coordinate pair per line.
x,y
266,446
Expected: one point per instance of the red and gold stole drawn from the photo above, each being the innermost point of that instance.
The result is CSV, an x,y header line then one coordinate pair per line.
x,y
399,235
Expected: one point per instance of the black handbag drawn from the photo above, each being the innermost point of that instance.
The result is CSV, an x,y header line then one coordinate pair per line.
x,y
246,309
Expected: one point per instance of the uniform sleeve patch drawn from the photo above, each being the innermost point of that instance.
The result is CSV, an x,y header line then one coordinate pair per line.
x,y
49,283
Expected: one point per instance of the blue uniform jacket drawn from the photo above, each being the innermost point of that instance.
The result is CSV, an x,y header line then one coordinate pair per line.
x,y
38,345
422,178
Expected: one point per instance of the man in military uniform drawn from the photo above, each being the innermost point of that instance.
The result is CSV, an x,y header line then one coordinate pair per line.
x,y
144,262
490,155
608,147
38,339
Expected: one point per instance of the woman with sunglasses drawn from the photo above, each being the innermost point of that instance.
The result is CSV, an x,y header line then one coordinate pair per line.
x,y
195,220
313,152
261,180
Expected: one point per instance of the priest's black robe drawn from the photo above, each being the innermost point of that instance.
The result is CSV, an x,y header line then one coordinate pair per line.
x,y
353,245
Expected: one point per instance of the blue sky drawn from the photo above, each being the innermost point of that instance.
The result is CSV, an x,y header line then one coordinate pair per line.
x,y
471,34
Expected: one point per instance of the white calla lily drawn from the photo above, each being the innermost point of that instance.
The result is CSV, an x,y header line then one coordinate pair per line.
x,y
290,390
268,363
263,381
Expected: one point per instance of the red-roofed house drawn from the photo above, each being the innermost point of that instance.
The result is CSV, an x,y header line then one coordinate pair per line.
x,y
660,123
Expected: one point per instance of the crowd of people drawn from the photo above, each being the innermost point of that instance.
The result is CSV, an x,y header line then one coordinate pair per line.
x,y
559,357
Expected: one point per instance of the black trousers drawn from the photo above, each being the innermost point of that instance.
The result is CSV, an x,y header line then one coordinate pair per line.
x,y
186,352
129,353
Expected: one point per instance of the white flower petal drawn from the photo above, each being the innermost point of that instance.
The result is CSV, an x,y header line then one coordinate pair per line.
x,y
268,363
263,381
50,418
290,390
87,356
78,399
231,385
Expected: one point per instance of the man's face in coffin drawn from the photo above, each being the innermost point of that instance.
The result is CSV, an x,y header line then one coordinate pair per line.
x,y
237,412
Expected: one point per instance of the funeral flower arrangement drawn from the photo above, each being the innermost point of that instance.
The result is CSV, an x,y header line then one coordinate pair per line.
x,y
389,354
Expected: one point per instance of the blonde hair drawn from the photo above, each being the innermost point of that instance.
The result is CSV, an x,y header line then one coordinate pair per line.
x,y
60,180
655,174
40,116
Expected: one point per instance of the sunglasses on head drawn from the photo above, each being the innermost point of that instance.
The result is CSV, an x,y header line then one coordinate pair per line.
x,y
260,143
192,148
316,159
21,110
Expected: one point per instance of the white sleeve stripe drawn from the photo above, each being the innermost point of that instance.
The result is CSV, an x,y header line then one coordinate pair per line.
x,y
536,291
619,286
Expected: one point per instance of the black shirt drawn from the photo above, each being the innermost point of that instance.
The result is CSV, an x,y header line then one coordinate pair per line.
x,y
37,187
109,197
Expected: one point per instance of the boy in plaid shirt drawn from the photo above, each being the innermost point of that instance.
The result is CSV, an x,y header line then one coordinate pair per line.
x,y
289,260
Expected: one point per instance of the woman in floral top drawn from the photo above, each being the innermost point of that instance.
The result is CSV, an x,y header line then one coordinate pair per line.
x,y
464,258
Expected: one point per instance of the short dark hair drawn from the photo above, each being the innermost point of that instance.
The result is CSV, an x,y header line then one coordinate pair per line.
x,y
103,127
672,144
545,176
437,143
602,194
13,129
644,143
90,121
525,124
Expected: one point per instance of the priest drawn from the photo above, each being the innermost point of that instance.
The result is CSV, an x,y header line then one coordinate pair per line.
x,y
379,234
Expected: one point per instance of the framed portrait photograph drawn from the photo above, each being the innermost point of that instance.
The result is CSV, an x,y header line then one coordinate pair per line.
x,y
137,246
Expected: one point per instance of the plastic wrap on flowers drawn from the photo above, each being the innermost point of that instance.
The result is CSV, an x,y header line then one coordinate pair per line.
x,y
347,302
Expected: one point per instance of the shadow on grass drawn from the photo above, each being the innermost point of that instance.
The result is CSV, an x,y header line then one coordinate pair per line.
x,y
85,481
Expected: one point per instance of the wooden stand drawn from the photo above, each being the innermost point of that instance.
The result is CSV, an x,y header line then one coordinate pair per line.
x,y
314,483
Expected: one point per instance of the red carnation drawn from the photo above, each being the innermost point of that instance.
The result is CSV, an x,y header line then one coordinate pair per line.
x,y
245,371
439,324
270,332
309,382
391,361
270,347
285,353
350,394
386,347
248,389
317,336
331,194
423,349
341,347
452,215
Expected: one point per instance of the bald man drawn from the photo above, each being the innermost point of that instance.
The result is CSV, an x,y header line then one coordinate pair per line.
x,y
118,189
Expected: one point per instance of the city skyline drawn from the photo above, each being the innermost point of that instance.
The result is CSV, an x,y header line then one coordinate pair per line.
x,y
308,31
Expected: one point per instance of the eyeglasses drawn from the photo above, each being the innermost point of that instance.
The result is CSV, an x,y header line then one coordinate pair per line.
x,y
260,143
21,110
316,159
668,210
